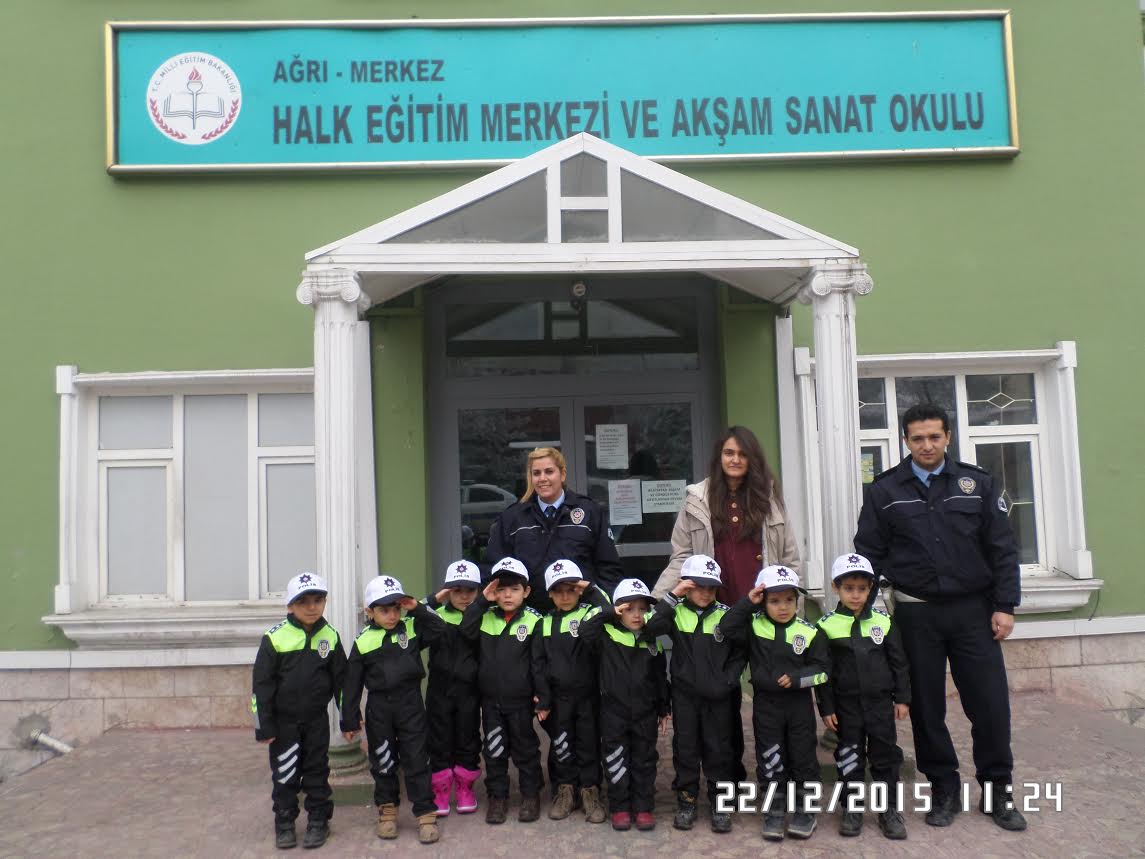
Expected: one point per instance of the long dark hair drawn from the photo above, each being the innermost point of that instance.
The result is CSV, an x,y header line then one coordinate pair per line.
x,y
758,489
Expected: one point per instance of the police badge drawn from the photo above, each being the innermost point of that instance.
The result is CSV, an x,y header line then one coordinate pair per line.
x,y
717,635
967,484
574,626
799,644
403,640
323,648
522,632
577,515
877,634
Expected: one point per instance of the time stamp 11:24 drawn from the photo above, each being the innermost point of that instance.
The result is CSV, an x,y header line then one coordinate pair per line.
x,y
747,797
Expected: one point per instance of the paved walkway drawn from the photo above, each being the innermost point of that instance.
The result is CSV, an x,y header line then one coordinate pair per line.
x,y
205,793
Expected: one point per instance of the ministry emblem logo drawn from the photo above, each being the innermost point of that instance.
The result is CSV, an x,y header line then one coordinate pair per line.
x,y
194,98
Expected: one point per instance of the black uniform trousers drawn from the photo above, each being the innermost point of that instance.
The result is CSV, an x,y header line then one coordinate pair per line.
x,y
629,752
396,732
867,732
701,735
959,630
299,760
739,771
784,728
454,727
573,727
509,733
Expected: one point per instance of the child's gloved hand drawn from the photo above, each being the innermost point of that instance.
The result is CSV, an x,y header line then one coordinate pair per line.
x,y
831,722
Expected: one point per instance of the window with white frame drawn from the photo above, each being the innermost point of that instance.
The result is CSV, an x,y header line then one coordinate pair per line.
x,y
182,490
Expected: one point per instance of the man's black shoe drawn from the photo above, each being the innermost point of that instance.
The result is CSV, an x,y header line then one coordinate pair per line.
x,y
891,823
943,809
284,835
851,824
317,831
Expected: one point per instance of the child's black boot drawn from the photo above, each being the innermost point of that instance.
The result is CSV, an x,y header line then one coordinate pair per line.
x,y
685,810
317,831
284,835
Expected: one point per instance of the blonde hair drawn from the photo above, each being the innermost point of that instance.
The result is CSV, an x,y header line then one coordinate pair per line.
x,y
543,453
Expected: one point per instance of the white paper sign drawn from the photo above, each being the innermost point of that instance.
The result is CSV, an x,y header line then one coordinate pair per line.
x,y
663,496
612,447
624,502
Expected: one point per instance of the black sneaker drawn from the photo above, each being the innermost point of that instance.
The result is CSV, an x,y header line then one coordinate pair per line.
x,y
802,825
892,825
284,835
685,810
851,824
773,825
317,831
943,809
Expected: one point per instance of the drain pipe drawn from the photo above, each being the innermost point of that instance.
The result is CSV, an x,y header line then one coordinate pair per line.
x,y
59,746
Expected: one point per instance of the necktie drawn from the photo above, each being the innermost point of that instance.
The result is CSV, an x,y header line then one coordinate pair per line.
x,y
551,513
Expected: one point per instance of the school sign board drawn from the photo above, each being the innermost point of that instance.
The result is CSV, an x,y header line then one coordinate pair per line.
x,y
224,96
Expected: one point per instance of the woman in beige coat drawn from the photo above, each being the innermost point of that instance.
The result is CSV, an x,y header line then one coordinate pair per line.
x,y
750,520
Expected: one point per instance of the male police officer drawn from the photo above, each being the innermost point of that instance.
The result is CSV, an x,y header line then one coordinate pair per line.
x,y
939,532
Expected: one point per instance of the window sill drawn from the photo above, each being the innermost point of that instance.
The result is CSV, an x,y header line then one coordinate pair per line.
x,y
169,627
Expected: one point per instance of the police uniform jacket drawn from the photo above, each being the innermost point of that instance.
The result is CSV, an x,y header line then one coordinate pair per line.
x,y
452,658
387,660
704,661
950,539
296,673
867,658
569,666
579,532
510,655
795,648
632,668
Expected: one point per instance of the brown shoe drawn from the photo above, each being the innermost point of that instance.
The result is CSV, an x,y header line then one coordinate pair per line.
x,y
563,803
593,808
530,809
497,810
427,831
388,821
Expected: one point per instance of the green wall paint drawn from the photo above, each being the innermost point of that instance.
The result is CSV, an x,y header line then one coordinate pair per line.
x,y
750,394
199,272
397,346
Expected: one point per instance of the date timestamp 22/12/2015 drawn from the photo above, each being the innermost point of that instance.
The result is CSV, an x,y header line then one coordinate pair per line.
x,y
749,798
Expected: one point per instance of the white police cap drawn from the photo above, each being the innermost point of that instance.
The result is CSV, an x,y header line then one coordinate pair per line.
x,y
463,574
777,578
561,571
384,590
629,590
510,567
849,565
702,570
305,583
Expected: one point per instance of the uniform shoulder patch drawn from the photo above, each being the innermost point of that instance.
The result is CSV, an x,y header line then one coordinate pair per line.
x,y
880,611
805,623
972,466
533,611
721,605
276,627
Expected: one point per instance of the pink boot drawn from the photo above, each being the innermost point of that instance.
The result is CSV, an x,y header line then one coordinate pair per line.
x,y
466,801
442,782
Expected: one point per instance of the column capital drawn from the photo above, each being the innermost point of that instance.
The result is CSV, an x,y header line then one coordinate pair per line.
x,y
822,280
332,284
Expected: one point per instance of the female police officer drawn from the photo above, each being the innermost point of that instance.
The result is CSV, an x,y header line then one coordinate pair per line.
x,y
551,522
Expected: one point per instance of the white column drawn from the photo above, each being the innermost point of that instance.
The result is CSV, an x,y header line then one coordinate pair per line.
x,y
831,289
338,302
69,494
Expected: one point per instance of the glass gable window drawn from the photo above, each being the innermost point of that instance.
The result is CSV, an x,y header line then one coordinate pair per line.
x,y
514,214
653,213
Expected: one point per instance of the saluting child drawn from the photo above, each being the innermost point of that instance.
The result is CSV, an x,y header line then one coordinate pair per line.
x,y
297,671
386,660
511,677
788,658
634,701
572,725
706,667
869,690
452,701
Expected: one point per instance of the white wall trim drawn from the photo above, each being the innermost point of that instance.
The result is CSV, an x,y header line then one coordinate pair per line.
x,y
222,379
1026,629
24,660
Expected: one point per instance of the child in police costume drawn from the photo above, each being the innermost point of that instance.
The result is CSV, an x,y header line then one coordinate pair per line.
x,y
788,658
572,725
386,660
634,701
452,701
868,691
511,677
298,669
706,667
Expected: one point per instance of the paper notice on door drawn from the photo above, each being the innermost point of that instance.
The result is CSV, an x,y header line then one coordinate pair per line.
x,y
624,502
663,496
612,447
